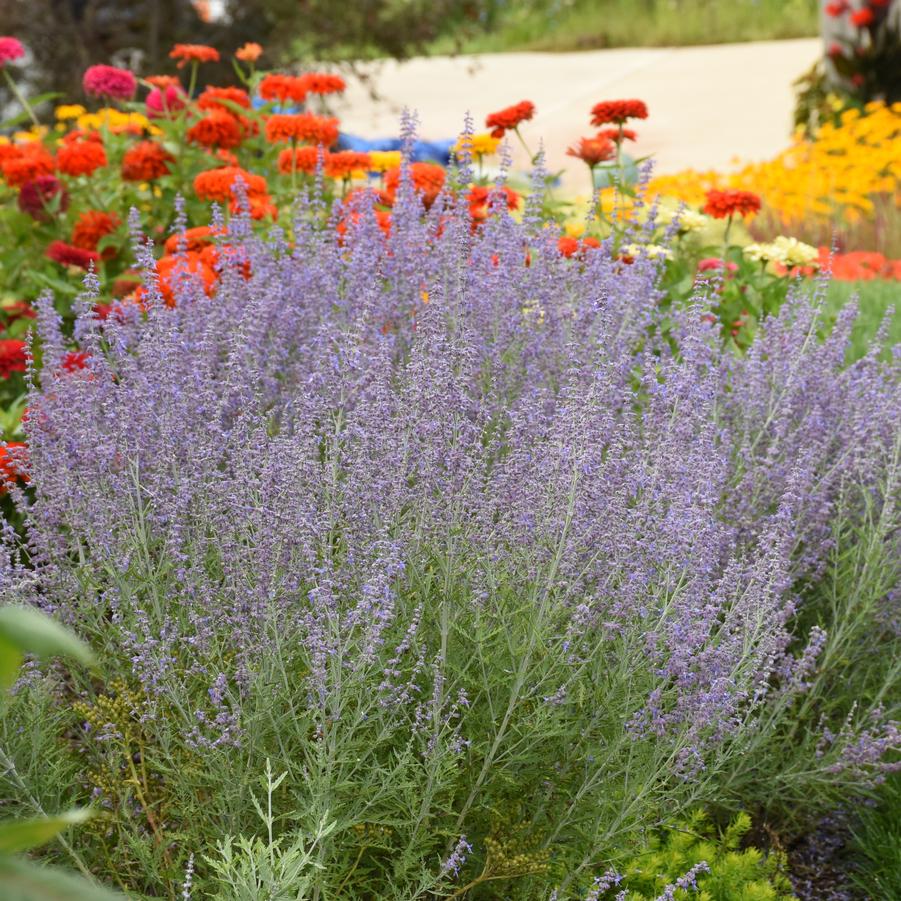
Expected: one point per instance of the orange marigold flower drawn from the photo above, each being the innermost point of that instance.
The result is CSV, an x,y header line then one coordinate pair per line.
x,y
194,53
427,179
217,184
282,88
249,52
302,159
146,161
302,127
13,463
616,134
345,162
32,161
593,151
193,239
721,204
12,357
216,129
509,118
81,157
618,111
323,83
92,226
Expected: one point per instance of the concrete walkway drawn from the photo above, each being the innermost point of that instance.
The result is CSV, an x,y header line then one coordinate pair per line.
x,y
708,105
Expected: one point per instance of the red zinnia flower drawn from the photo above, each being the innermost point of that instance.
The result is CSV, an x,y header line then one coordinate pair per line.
x,y
12,357
343,163
837,9
509,118
109,81
75,360
617,111
616,134
479,199
216,129
323,83
68,255
427,179
276,86
862,17
193,53
570,247
721,204
593,151
81,157
35,197
10,49
212,98
32,161
90,229
302,127
146,161
13,460
305,159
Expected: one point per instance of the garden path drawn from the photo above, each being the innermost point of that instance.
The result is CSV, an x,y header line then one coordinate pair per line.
x,y
707,104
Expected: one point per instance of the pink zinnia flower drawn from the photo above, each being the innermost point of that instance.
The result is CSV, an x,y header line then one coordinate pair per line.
x,y
164,102
109,81
10,49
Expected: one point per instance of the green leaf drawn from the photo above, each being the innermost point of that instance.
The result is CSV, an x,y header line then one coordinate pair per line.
x,y
51,281
26,881
23,835
10,660
32,632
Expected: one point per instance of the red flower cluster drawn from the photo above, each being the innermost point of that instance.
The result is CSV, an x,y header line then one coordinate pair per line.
x,y
12,357
30,161
617,135
146,161
69,255
38,197
427,179
193,53
81,157
301,159
723,204
345,162
217,129
92,227
617,112
323,83
570,247
13,459
109,81
593,151
306,127
480,196
283,88
510,118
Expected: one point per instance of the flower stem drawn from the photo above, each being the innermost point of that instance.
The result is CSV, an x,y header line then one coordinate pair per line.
x,y
19,96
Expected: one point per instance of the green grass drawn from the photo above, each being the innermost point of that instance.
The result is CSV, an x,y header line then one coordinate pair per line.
x,y
559,25
874,299
878,844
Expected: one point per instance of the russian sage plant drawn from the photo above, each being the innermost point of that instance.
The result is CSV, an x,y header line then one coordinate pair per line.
x,y
498,562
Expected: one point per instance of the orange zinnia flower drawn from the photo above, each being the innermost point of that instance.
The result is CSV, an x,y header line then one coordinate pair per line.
x,y
509,118
323,83
216,129
343,163
194,53
480,196
172,269
193,239
616,134
163,81
302,127
593,151
249,52
217,184
722,204
617,111
427,179
570,247
92,226
146,161
283,87
81,157
304,159
31,161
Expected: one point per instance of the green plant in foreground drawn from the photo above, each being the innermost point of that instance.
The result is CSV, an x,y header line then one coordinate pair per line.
x,y
877,843
735,873
25,631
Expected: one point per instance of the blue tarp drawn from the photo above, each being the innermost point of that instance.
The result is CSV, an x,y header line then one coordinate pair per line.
x,y
423,151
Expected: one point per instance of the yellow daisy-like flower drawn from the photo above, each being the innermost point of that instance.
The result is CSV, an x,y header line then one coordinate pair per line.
x,y
69,111
479,145
383,160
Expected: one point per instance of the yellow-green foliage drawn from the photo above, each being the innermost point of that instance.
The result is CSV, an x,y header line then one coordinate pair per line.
x,y
736,874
